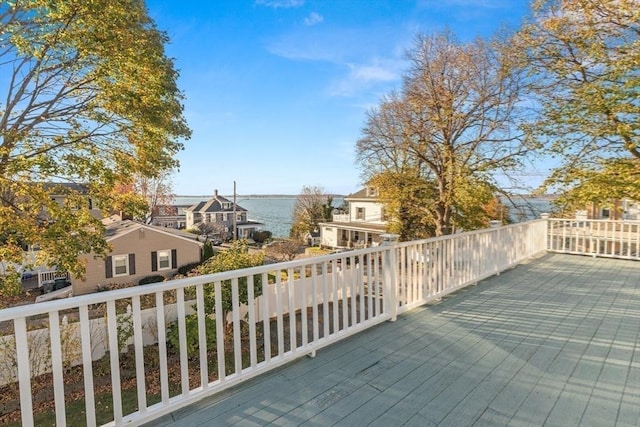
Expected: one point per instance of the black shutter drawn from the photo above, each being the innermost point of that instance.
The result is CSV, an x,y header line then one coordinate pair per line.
x,y
154,261
132,264
108,267
174,258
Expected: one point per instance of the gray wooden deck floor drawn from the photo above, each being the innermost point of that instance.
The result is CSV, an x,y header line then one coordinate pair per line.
x,y
553,342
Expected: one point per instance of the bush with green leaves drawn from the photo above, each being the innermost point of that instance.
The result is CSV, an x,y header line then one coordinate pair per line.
x,y
235,258
192,338
186,269
151,279
261,236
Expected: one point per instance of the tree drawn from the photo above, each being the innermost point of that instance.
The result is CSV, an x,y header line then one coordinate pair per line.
x,y
285,250
235,258
312,206
433,147
156,191
88,97
583,57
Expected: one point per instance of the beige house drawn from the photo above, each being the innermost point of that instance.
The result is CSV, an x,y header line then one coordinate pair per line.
x,y
138,250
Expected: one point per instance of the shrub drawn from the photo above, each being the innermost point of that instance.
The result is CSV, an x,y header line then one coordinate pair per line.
x,y
191,323
261,236
207,250
151,279
185,269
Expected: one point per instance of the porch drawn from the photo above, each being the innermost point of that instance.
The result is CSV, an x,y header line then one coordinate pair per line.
x,y
554,341
400,335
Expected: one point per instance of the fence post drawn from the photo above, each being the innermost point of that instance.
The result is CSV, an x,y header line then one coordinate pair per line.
x,y
547,228
390,269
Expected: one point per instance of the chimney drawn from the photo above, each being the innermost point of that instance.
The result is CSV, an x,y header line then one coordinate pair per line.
x,y
215,192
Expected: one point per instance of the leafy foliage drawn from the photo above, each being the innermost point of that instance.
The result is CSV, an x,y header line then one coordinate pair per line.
x,y
192,337
313,206
261,236
235,258
88,97
151,279
583,57
207,250
432,149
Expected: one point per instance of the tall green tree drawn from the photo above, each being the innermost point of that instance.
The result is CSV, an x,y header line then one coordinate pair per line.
x,y
437,143
584,57
88,96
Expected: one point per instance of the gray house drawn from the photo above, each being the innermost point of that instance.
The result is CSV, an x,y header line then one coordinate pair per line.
x,y
221,213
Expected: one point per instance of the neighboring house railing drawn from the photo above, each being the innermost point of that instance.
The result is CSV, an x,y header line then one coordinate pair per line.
x,y
602,238
340,217
307,304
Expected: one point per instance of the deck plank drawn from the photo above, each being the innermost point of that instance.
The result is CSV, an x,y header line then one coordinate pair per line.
x,y
555,341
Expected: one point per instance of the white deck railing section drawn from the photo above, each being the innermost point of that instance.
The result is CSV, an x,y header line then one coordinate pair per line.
x,y
294,309
602,238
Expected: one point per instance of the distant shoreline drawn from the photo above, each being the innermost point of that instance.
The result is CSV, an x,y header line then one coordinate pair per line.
x,y
253,196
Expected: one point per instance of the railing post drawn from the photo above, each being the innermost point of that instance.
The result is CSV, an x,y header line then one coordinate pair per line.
x,y
547,228
389,270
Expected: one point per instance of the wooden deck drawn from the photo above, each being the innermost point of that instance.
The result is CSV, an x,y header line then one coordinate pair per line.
x,y
553,342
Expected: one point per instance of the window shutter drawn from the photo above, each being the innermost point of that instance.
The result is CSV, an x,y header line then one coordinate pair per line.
x,y
174,258
132,264
154,261
108,267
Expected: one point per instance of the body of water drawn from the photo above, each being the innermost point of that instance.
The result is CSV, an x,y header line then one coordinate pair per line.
x,y
276,212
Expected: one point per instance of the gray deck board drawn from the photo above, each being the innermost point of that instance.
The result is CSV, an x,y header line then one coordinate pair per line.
x,y
555,342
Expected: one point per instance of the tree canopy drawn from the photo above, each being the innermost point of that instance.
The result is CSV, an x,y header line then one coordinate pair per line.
x,y
583,57
432,148
87,95
312,206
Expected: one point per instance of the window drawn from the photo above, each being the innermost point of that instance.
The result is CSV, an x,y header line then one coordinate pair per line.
x,y
360,213
120,265
372,192
164,259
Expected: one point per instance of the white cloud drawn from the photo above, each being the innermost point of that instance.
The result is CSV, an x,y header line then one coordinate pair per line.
x,y
313,19
276,4
365,76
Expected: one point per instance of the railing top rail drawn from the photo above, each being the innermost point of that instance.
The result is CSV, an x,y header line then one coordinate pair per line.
x,y
466,233
608,221
102,297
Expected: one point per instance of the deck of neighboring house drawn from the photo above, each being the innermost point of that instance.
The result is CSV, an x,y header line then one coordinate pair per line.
x,y
554,342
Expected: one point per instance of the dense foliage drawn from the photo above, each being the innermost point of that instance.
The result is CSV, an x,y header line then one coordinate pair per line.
x,y
432,149
583,57
235,258
87,96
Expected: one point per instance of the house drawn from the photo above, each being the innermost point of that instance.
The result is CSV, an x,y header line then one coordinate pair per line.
x,y
170,216
360,227
221,215
137,250
60,191
617,209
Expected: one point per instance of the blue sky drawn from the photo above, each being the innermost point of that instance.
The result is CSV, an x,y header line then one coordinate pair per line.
x,y
277,90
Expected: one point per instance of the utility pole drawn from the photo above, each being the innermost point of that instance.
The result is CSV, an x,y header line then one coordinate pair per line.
x,y
235,225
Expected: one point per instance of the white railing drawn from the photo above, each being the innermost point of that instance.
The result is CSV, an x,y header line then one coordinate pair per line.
x,y
340,217
602,238
293,309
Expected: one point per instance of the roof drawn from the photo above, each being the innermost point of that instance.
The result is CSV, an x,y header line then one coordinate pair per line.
x,y
362,194
118,229
215,204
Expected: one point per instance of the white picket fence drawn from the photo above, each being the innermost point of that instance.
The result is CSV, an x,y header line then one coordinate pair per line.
x,y
333,297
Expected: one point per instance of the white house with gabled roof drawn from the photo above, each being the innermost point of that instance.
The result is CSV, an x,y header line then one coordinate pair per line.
x,y
360,227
